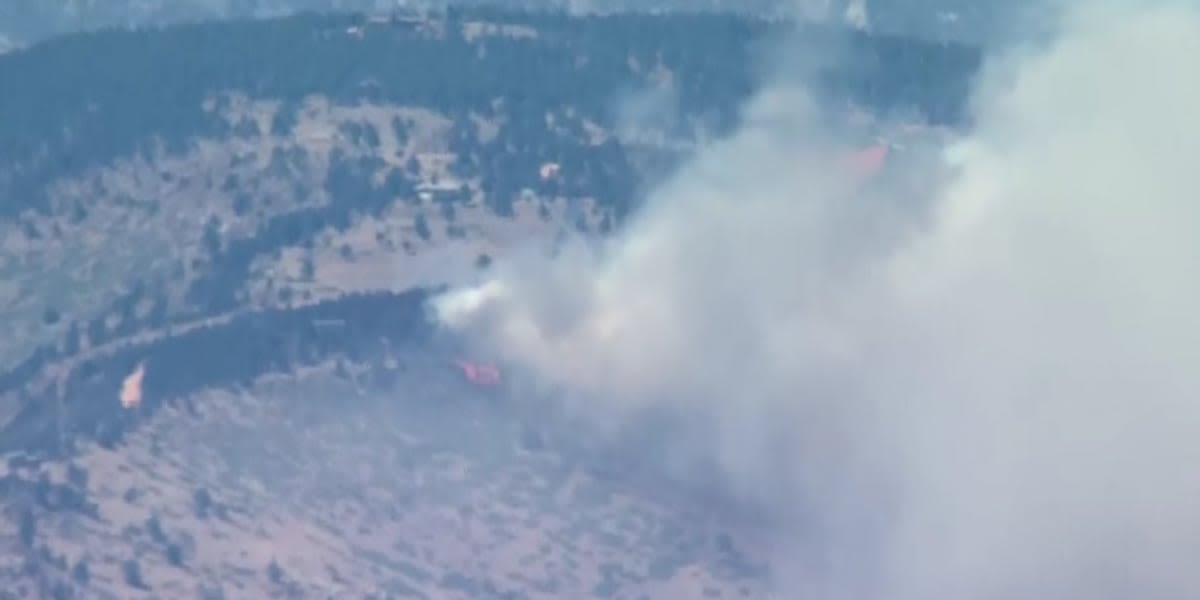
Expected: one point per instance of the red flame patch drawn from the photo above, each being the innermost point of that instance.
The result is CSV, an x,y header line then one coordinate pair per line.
x,y
479,373
868,161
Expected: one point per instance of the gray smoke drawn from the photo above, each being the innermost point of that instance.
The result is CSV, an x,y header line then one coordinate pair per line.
x,y
987,392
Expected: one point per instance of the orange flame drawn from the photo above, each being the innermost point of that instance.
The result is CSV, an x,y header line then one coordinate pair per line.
x,y
131,387
868,161
479,373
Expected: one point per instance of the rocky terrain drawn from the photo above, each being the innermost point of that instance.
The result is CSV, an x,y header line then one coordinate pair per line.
x,y
219,381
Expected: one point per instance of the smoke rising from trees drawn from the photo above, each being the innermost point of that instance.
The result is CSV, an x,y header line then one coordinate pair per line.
x,y
988,391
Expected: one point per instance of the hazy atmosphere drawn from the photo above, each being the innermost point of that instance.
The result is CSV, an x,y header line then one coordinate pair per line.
x,y
986,389
557,300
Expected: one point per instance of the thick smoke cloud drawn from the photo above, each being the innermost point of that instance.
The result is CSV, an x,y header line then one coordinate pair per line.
x,y
988,392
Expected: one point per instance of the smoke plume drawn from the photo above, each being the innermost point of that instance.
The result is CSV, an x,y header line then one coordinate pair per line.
x,y
989,392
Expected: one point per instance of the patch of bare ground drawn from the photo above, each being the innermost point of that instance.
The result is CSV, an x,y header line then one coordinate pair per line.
x,y
390,252
476,29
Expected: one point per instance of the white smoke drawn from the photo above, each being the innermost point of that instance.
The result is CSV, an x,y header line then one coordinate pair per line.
x,y
999,399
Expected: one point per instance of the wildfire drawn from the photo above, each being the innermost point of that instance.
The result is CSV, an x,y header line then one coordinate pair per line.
x,y
131,387
479,373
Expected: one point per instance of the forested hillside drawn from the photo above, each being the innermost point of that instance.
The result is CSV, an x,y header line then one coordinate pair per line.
x,y
222,211
977,21
85,99
516,92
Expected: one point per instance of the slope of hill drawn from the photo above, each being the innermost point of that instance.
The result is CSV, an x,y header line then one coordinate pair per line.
x,y
244,216
222,153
